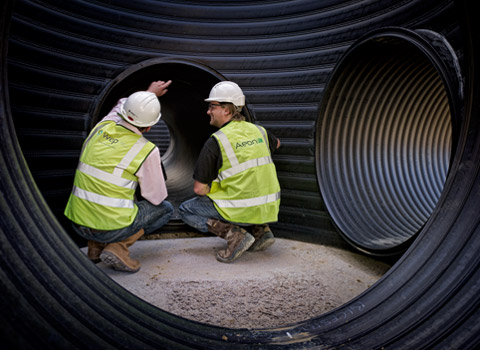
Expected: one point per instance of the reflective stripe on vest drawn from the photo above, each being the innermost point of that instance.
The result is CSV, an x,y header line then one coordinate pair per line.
x,y
244,166
232,157
241,171
130,156
238,168
105,182
116,177
249,202
102,200
107,177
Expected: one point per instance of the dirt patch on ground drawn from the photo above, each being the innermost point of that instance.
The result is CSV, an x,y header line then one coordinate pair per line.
x,y
289,282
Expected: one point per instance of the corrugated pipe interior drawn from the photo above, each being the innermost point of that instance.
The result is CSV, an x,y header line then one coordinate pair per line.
x,y
384,137
376,104
183,128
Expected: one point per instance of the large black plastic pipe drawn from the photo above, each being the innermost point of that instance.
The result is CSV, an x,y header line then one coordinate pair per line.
x,y
63,55
52,297
388,127
184,119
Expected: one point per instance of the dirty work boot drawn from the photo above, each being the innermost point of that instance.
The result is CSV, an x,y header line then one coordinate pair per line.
x,y
263,238
94,250
238,241
218,228
117,254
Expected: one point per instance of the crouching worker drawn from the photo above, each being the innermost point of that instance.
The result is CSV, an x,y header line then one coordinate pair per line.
x,y
115,158
235,178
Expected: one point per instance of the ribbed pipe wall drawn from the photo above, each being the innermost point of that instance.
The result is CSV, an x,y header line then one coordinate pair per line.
x,y
62,55
385,143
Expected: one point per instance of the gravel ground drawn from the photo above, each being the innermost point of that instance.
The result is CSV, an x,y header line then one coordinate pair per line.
x,y
289,282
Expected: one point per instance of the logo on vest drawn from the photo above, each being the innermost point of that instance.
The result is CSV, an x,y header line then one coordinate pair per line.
x,y
107,137
249,143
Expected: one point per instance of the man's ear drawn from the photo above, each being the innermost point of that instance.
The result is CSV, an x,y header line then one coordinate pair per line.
x,y
226,112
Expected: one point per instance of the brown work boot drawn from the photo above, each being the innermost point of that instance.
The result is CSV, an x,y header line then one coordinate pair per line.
x,y
94,250
117,254
238,241
218,228
263,238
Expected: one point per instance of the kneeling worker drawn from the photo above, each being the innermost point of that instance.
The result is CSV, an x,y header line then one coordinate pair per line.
x,y
235,178
115,159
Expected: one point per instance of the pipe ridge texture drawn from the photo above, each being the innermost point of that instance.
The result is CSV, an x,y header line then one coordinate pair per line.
x,y
53,298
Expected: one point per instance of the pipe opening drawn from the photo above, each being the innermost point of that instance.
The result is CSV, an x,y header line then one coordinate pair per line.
x,y
184,126
384,143
160,135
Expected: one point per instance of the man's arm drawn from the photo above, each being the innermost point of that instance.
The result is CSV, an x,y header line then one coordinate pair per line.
x,y
206,167
151,179
273,142
200,189
159,87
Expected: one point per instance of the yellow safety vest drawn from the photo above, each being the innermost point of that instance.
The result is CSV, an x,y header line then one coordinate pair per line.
x,y
246,189
104,186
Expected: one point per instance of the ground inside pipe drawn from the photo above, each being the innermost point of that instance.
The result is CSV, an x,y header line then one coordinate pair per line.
x,y
289,282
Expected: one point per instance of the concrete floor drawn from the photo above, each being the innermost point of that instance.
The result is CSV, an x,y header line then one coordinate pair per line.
x,y
289,282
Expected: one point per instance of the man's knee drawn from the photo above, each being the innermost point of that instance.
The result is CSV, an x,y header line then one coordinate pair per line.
x,y
165,210
183,208
168,207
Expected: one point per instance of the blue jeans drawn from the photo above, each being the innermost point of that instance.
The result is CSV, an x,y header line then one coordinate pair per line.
x,y
196,211
149,217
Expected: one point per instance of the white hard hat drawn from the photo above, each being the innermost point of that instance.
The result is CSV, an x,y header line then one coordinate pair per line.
x,y
141,109
227,91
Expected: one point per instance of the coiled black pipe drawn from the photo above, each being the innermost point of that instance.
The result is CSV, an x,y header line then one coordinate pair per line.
x,y
53,298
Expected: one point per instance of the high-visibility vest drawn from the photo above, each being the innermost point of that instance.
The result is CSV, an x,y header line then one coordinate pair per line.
x,y
104,186
246,189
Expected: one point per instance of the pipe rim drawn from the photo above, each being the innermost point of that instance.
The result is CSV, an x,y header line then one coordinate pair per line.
x,y
376,204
